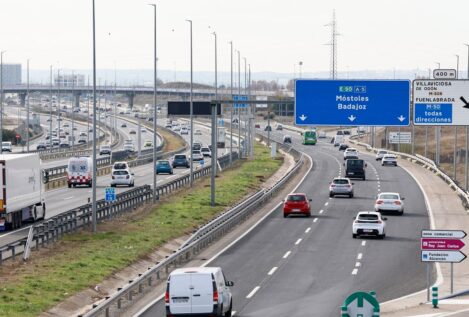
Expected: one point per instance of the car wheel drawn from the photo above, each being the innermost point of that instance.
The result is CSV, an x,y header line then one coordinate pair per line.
x,y
69,185
350,196
285,215
382,236
364,178
354,235
331,195
400,213
229,311
308,214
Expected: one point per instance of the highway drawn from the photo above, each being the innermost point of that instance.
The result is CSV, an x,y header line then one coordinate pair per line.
x,y
307,266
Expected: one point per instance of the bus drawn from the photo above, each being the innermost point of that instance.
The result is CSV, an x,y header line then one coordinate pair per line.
x,y
310,137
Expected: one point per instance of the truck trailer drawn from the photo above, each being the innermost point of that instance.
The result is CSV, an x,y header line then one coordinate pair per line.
x,y
21,192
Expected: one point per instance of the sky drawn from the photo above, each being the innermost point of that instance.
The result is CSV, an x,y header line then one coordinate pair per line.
x,y
272,35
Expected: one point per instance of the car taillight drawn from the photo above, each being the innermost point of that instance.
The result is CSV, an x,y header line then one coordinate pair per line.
x,y
332,185
379,202
215,296
127,177
379,221
348,186
166,297
397,202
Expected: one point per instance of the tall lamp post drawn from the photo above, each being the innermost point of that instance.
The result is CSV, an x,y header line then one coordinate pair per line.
x,y
155,60
1,101
214,132
191,109
467,132
93,208
239,109
231,106
455,128
27,106
50,110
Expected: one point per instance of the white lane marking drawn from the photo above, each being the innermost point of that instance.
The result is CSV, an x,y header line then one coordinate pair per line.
x,y
298,241
359,256
309,228
355,271
315,220
67,198
379,190
363,243
321,211
357,264
330,198
233,312
272,271
326,204
286,255
253,292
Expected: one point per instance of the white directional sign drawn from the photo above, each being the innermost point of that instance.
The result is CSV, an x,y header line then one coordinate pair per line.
x,y
441,102
442,256
444,73
400,137
449,234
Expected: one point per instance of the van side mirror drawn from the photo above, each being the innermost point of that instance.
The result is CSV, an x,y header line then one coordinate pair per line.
x,y
45,177
366,165
310,199
385,219
343,164
229,283
402,198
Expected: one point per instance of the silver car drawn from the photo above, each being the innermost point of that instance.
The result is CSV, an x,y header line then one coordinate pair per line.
x,y
341,186
390,202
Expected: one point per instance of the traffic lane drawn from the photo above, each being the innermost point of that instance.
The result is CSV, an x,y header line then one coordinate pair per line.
x,y
250,259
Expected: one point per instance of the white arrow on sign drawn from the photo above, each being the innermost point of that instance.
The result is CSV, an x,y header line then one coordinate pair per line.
x,y
443,256
450,234
352,118
303,117
401,118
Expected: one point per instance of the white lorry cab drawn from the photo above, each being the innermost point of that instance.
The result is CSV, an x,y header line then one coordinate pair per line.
x,y
22,196
80,171
198,291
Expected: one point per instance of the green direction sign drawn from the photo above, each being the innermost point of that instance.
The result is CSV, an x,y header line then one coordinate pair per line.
x,y
360,304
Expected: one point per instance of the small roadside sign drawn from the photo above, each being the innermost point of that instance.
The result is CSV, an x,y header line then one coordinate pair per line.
x,y
449,234
444,73
110,194
441,244
443,256
360,304
400,137
240,98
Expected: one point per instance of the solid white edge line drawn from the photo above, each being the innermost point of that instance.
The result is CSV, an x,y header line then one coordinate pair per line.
x,y
253,292
272,271
439,273
298,241
233,312
144,309
286,255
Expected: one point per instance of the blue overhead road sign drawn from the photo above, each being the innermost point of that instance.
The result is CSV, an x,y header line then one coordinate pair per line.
x,y
352,102
240,98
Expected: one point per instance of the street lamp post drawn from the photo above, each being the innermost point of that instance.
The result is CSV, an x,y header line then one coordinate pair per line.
x,y
214,132
191,110
1,101
239,109
93,208
155,100
455,128
246,114
50,110
231,107
27,106
467,133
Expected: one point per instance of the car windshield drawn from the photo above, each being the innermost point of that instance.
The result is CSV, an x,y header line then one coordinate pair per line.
x,y
120,166
382,152
368,217
341,181
121,172
179,157
296,198
388,196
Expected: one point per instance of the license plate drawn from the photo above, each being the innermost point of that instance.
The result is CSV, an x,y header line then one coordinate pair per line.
x,y
296,210
367,230
180,300
351,173
388,203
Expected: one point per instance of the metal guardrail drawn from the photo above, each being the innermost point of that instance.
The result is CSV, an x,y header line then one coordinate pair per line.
x,y
51,229
425,162
124,297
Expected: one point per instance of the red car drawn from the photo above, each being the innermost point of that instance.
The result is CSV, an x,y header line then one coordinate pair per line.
x,y
296,204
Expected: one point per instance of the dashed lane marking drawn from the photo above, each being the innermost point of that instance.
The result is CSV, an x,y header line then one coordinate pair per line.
x,y
286,254
272,271
298,241
253,292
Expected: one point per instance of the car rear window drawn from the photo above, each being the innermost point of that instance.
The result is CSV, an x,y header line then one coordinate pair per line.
x,y
340,181
296,198
205,149
180,157
163,162
368,217
121,172
355,163
120,166
388,196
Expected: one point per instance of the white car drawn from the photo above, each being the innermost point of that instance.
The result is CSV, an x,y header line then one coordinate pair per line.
x,y
6,146
198,132
322,135
184,130
129,147
206,151
369,223
122,177
197,155
389,159
177,128
201,291
390,202
380,154
120,166
350,153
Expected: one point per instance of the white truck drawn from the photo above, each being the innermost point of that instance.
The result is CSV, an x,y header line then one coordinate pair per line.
x,y
21,193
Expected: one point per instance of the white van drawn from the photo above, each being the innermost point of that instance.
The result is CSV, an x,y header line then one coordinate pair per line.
x,y
198,291
338,139
80,171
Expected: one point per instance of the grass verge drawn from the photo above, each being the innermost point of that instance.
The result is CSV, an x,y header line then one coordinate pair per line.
x,y
82,260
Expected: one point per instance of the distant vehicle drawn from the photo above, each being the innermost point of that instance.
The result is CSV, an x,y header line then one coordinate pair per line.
x,y
83,133
82,141
339,139
122,177
386,202
163,166
148,143
64,145
340,132
197,132
143,130
184,131
209,283
343,147
279,127
168,125
287,139
197,155
79,171
369,223
124,125
6,146
55,142
350,153
268,128
355,168
129,147
66,125
120,166
341,186
347,132
322,135
257,126
41,146
380,154
309,137
196,146
177,128
180,160
206,152
389,159
21,180
296,203
105,149
132,132
361,130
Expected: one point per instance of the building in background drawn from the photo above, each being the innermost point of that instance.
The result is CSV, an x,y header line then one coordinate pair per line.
x,y
69,80
11,74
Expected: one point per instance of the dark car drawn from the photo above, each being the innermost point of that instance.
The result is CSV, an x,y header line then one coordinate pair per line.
x,y
343,147
355,168
180,160
268,128
346,132
196,146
